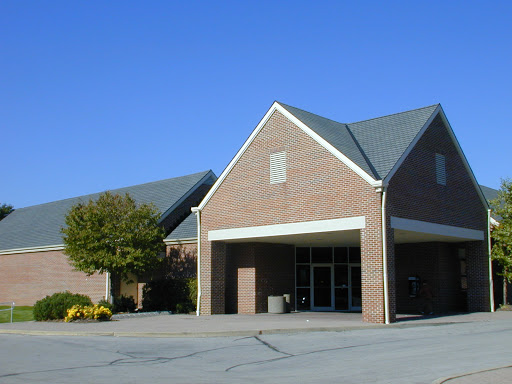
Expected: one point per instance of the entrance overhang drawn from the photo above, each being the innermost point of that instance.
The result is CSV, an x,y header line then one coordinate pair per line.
x,y
416,231
335,231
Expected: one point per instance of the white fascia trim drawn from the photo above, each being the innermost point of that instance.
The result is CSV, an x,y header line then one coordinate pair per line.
x,y
340,156
439,110
191,240
464,159
412,145
276,106
436,229
318,226
58,247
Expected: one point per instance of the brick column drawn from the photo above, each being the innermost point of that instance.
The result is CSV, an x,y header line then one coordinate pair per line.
x,y
213,277
478,276
372,271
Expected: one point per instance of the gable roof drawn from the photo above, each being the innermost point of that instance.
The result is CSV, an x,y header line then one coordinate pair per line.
x,y
375,145
39,226
185,231
489,193
374,149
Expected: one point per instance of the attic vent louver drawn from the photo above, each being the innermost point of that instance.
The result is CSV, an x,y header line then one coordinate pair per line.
x,y
277,167
440,169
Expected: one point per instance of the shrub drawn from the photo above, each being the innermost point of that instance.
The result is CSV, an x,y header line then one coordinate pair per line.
x,y
166,294
124,304
95,312
192,291
55,307
184,307
106,304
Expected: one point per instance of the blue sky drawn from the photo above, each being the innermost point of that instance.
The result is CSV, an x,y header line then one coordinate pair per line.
x,y
99,95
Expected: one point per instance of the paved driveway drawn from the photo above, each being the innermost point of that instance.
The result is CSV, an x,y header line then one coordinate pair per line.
x,y
410,352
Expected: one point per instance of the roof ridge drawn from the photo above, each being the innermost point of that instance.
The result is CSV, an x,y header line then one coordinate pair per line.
x,y
111,190
394,114
303,110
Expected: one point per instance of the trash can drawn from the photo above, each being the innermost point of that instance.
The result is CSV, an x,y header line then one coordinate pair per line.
x,y
287,298
276,304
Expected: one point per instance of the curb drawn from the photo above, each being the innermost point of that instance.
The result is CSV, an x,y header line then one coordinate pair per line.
x,y
234,333
244,333
443,380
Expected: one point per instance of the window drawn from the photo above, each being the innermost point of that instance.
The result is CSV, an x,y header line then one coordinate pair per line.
x,y
277,167
440,169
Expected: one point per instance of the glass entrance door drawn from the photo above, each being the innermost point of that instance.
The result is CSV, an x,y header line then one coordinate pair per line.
x,y
322,288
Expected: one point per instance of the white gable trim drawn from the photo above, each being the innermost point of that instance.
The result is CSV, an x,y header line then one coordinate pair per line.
x,y
439,111
349,163
186,195
317,226
436,229
412,145
277,107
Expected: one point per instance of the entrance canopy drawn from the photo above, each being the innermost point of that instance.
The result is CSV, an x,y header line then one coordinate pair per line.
x,y
335,231
416,231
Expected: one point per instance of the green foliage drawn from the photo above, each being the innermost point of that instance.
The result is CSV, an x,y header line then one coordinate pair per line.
x,y
192,290
5,209
124,304
502,233
106,304
184,307
167,294
55,307
113,234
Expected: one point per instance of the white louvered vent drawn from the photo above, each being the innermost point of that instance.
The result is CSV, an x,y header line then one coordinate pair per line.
x,y
440,169
277,167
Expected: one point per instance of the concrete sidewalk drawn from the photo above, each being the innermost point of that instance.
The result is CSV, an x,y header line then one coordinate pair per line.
x,y
166,325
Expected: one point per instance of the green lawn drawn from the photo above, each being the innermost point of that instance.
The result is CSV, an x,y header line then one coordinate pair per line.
x,y
19,314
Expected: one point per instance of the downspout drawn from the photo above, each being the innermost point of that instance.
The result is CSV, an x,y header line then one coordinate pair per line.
x,y
385,256
491,283
197,212
107,288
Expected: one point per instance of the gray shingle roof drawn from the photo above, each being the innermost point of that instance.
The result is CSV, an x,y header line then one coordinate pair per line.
x,y
186,230
489,193
374,145
39,225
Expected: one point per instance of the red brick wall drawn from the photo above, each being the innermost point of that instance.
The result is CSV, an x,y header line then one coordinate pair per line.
x,y
255,271
318,187
413,193
26,278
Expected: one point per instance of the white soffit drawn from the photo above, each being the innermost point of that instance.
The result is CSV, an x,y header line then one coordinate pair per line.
x,y
319,226
436,229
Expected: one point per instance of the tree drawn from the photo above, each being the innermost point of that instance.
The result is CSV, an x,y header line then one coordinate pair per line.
x,y
502,233
5,209
113,234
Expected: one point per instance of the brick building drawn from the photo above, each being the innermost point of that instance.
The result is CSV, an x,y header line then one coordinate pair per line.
x,y
32,261
345,217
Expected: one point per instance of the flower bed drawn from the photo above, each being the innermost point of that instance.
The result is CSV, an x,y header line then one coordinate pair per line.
x,y
94,312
